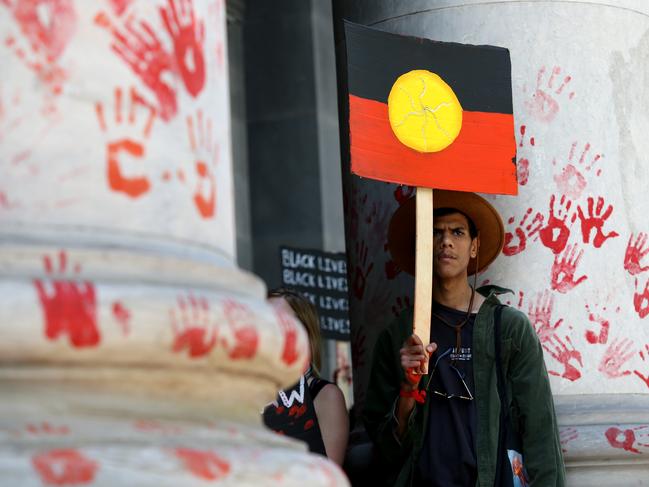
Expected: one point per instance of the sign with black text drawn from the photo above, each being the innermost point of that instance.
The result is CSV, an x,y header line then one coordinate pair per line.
x,y
322,278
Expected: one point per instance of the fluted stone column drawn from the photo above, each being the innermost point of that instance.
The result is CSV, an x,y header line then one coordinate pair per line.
x,y
133,351
576,241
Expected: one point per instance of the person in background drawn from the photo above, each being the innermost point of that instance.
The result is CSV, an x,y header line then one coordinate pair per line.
x,y
314,409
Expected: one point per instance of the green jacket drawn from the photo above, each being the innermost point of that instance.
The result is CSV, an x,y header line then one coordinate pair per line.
x,y
528,388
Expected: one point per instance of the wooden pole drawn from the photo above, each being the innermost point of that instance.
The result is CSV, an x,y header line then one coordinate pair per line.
x,y
424,266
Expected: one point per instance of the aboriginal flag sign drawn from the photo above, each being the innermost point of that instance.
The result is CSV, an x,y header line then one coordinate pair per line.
x,y
430,114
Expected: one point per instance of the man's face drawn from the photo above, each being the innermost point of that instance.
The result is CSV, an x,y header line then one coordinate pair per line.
x,y
453,246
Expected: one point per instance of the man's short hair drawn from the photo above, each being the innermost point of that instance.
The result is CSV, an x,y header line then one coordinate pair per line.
x,y
473,230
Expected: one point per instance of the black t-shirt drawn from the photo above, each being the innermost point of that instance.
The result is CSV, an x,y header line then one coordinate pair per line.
x,y
448,455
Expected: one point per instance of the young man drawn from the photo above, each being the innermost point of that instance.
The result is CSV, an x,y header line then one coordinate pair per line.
x,y
448,435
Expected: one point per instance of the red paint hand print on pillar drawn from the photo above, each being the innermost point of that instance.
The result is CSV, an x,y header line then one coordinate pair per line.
x,y
289,329
544,103
69,306
566,435
203,464
626,439
206,152
595,316
595,221
554,235
188,38
540,314
617,354
142,50
244,338
558,349
635,252
192,326
126,132
571,181
641,299
516,240
48,26
65,467
564,269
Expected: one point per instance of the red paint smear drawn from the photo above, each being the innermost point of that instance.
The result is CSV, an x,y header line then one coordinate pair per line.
x,y
480,159
625,443
120,6
65,467
206,205
46,428
122,315
602,335
71,308
206,465
196,341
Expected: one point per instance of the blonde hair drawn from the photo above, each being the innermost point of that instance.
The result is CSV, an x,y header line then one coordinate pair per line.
x,y
306,312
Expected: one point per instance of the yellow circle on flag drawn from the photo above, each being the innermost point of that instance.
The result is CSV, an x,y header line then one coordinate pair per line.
x,y
424,112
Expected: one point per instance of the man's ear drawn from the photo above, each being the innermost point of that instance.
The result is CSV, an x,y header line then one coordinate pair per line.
x,y
475,245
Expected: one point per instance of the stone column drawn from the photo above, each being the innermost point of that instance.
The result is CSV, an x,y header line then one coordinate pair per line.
x,y
576,240
133,350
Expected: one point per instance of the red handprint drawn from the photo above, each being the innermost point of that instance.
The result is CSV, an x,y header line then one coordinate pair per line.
x,y
540,314
206,154
204,464
48,26
617,353
566,435
635,252
289,327
543,105
69,306
641,300
571,181
564,269
595,220
362,270
187,36
564,355
601,336
65,467
522,232
141,49
192,326
125,135
555,234
625,439
643,378
523,163
244,336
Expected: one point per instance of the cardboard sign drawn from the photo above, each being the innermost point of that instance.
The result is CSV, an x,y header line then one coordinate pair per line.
x,y
321,277
430,114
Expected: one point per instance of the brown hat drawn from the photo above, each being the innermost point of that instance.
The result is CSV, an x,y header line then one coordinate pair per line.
x,y
401,232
